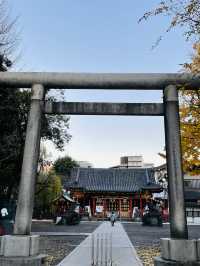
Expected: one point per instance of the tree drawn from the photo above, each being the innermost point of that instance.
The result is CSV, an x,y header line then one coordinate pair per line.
x,y
186,14
64,165
9,104
190,120
14,114
183,13
48,188
8,37
13,119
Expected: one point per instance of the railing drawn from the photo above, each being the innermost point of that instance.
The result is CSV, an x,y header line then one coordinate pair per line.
x,y
193,212
101,250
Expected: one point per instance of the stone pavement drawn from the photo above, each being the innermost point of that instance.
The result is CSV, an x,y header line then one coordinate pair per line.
x,y
98,247
60,234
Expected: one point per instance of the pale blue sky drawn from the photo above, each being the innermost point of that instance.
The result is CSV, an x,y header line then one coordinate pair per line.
x,y
101,36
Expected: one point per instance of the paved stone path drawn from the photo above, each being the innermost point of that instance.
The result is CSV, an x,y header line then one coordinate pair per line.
x,y
60,234
120,249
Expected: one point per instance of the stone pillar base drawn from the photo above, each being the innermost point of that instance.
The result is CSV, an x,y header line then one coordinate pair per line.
x,y
158,261
21,250
19,245
40,260
181,252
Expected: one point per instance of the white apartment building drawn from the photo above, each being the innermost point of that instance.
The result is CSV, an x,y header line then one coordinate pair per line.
x,y
136,161
84,164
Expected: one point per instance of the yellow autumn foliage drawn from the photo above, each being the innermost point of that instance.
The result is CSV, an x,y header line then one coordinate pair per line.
x,y
190,120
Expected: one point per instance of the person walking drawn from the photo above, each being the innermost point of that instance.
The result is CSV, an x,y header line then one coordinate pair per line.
x,y
112,218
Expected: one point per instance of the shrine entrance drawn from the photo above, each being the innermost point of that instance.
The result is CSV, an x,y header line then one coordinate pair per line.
x,y
168,83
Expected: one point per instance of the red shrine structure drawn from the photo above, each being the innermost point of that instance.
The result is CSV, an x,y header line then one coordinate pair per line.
x,y
107,190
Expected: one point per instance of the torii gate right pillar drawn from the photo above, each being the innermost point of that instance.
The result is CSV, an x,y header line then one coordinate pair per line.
x,y
177,250
178,223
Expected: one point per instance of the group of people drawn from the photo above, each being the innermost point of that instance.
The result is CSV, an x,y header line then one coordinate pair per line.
x,y
154,204
150,205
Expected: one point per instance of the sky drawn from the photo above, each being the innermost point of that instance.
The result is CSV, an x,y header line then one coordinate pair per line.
x,y
101,36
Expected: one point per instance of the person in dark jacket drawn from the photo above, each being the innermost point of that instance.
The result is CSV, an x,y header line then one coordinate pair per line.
x,y
112,218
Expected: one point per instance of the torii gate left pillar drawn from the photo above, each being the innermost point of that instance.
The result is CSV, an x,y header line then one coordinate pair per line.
x,y
23,248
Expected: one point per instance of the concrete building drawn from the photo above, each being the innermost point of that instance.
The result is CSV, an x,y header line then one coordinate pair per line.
x,y
84,164
135,161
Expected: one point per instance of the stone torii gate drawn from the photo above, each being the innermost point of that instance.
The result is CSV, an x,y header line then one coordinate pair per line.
x,y
175,250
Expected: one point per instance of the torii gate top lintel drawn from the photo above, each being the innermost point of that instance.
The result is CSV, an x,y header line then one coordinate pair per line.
x,y
115,81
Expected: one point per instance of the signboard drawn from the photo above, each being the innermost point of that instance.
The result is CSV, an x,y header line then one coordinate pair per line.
x,y
99,208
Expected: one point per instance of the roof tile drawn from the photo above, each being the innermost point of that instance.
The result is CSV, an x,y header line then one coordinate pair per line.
x,y
112,180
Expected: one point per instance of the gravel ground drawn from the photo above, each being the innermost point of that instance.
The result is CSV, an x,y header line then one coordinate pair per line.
x,y
145,235
146,239
58,247
146,254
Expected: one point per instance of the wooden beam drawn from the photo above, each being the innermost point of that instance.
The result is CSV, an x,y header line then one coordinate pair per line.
x,y
95,108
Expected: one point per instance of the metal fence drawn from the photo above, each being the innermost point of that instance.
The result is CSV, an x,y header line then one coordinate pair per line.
x,y
102,250
193,212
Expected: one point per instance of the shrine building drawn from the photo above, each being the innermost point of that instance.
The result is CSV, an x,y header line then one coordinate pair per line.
x,y
110,189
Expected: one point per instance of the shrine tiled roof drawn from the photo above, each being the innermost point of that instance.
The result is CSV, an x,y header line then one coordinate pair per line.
x,y
112,180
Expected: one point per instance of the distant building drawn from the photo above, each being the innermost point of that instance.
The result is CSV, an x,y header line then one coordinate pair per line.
x,y
107,190
191,186
192,193
136,161
148,165
84,164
